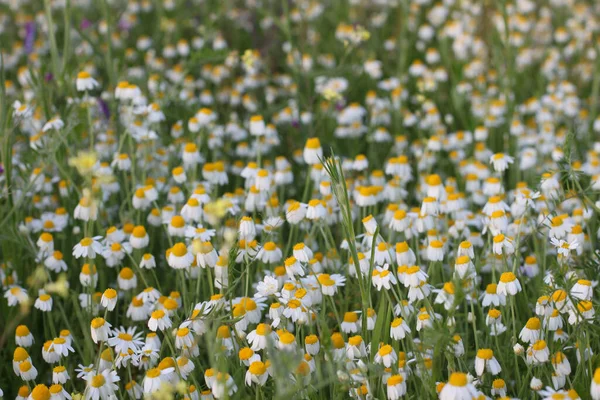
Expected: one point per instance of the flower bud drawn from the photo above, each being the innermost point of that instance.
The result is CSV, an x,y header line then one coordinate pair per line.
x,y
518,349
536,384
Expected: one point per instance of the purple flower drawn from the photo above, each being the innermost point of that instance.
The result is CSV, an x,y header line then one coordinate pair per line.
x,y
48,77
104,108
123,24
29,36
85,23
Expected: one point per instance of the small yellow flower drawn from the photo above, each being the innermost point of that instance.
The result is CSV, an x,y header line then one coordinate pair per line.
x,y
59,287
84,162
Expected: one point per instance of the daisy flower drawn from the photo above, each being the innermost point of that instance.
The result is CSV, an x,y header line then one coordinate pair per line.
x,y
85,82
88,247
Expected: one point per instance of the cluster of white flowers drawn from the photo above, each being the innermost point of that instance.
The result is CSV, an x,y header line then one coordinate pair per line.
x,y
380,199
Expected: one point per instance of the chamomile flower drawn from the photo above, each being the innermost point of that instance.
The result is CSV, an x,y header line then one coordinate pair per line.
x,y
399,329
501,161
485,361
100,329
85,82
383,278
159,320
458,387
23,336
509,284
44,302
88,247
386,356
179,256
257,373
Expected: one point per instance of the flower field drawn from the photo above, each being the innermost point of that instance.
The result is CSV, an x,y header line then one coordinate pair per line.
x,y
299,199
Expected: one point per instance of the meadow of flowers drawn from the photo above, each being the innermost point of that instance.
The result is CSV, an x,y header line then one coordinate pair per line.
x,y
296,199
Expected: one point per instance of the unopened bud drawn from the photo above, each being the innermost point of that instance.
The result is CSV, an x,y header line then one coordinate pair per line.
x,y
518,349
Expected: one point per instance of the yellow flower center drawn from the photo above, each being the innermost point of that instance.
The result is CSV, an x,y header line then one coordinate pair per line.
x,y
287,338
485,354
507,277
257,368
385,350
533,324
40,392
139,232
98,381
179,250
98,322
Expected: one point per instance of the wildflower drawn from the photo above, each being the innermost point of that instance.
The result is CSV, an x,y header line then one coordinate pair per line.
x,y
561,364
463,267
499,388
386,356
247,230
85,82
316,209
399,329
257,373
148,261
561,300
125,340
595,386
159,320
295,212
23,336
503,245
293,267
43,302
584,312
192,210
396,387
86,210
399,221
538,352
530,267
330,283
101,385
185,366
501,161
127,279
116,253
179,256
382,278
313,153
458,387
563,247
55,262
100,330
263,180
355,348
39,392
508,285
458,346
60,375
414,277
535,384
485,360
27,371
446,295
223,384
257,125
531,331
134,389
87,247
